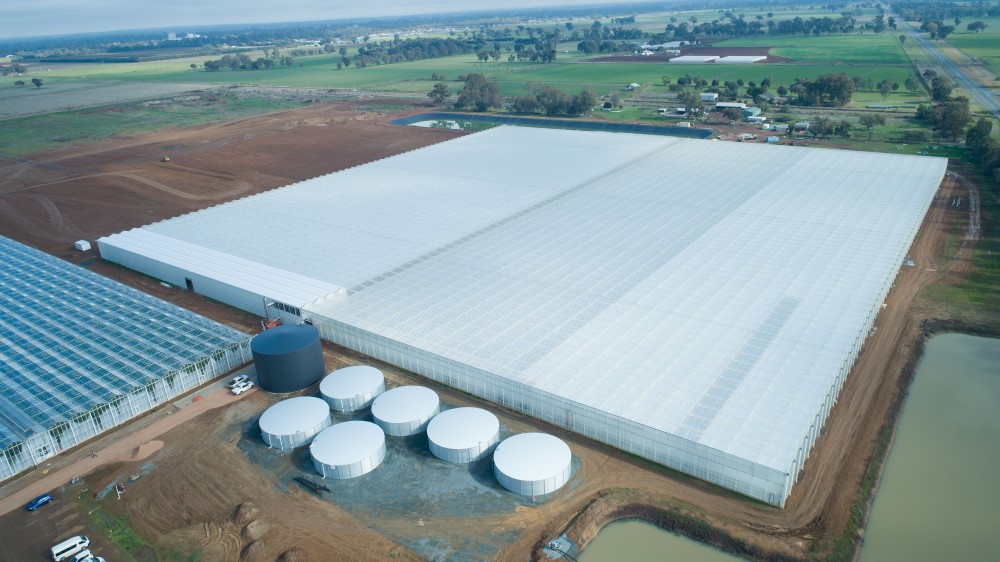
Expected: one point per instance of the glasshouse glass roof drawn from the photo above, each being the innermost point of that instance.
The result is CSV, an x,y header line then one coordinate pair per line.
x,y
711,290
71,340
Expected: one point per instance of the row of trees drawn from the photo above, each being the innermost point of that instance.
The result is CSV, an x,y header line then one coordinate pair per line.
x,y
481,94
244,62
15,68
984,149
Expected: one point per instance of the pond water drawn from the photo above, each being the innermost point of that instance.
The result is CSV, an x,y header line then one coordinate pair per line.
x,y
638,541
939,498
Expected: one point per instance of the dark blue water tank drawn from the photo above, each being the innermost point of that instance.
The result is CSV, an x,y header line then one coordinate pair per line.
x,y
288,358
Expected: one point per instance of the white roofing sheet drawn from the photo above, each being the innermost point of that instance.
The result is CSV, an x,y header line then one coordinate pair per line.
x,y
294,415
693,59
714,301
260,278
349,382
404,404
462,428
532,457
347,443
740,59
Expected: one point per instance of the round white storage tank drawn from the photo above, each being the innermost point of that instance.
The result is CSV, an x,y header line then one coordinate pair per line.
x,y
347,450
532,464
294,422
352,388
463,435
405,410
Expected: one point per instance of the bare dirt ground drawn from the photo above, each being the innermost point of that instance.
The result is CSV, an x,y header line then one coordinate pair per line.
x,y
197,481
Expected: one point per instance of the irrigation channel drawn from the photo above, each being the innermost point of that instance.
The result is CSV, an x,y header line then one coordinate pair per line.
x,y
575,124
938,497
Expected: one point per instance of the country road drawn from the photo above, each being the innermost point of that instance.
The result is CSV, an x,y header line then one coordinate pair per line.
x,y
979,94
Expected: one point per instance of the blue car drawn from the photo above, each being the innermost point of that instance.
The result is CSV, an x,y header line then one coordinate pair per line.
x,y
38,502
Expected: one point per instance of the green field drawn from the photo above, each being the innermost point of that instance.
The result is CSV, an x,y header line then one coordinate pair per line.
x,y
849,49
27,135
984,45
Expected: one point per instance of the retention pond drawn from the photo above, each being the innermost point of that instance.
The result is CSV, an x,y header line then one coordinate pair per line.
x,y
938,499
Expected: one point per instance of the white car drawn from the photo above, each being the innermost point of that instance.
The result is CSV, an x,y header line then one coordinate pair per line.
x,y
242,387
237,380
85,555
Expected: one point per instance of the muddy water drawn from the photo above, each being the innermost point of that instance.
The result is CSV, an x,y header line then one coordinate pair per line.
x,y
939,498
638,541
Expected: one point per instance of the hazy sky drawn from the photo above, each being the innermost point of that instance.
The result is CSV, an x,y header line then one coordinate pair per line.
x,y
28,18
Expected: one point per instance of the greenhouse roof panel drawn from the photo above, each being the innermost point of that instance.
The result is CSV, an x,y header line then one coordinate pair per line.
x,y
71,340
710,290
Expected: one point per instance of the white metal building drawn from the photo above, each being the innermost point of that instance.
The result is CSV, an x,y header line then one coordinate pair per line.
x,y
693,59
348,450
294,422
532,464
405,410
701,316
463,435
740,59
352,388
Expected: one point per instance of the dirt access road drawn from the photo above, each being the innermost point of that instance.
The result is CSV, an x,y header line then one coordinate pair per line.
x,y
202,477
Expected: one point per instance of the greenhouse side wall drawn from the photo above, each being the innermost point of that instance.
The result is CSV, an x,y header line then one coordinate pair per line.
x,y
35,448
748,478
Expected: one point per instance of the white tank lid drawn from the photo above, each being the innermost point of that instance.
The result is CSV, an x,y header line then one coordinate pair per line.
x,y
532,457
347,443
463,428
294,415
404,404
349,382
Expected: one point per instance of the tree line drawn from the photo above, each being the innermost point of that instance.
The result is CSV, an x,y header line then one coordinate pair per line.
x,y
244,62
482,94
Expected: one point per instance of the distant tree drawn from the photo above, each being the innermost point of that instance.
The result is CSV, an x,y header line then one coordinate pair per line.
x,y
194,66
821,127
902,39
19,83
976,26
732,113
478,93
782,90
911,85
37,82
952,117
692,102
439,94
940,89
584,102
885,88
843,129
340,65
665,80
871,120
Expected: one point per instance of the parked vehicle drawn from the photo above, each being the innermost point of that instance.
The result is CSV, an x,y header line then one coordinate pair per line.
x,y
69,547
38,502
86,555
242,387
240,379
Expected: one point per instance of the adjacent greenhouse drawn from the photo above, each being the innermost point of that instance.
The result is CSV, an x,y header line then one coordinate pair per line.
x,y
694,303
80,354
294,422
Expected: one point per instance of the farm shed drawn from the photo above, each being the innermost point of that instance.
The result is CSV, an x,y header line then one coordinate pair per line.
x,y
80,354
532,267
709,96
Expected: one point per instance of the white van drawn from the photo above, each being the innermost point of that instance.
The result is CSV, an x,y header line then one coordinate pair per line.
x,y
69,547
